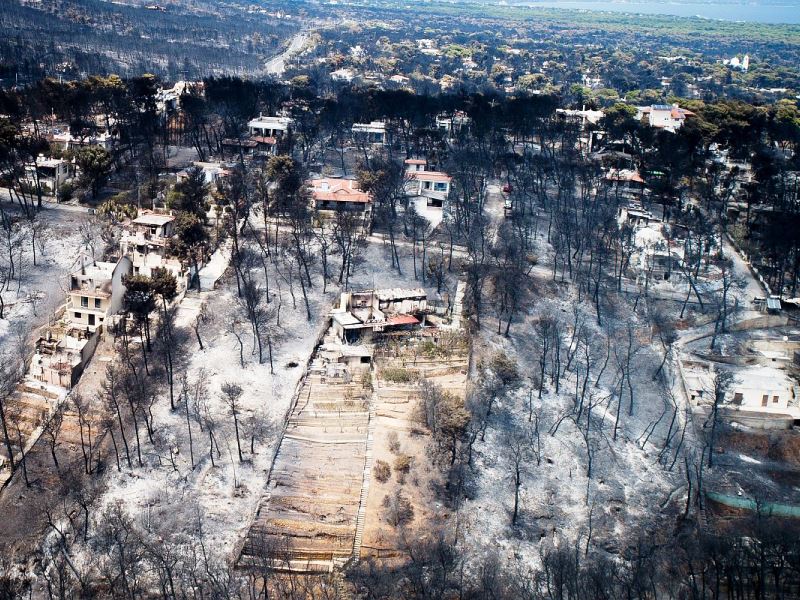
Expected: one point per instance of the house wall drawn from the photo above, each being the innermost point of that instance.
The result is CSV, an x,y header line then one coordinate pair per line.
x,y
122,269
758,420
661,118
753,397
143,264
47,374
78,315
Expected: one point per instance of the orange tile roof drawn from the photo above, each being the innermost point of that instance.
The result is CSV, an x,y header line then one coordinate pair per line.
x,y
402,320
338,190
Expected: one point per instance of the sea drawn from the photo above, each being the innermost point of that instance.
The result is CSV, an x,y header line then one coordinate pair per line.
x,y
754,12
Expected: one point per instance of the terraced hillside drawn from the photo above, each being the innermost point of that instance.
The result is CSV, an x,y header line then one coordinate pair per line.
x,y
307,520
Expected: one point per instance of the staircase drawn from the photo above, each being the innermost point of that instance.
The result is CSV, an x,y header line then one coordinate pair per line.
x,y
362,500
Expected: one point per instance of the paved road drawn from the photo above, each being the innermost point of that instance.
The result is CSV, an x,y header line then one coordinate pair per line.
x,y
277,64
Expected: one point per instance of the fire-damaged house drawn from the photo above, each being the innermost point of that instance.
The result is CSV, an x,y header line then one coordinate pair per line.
x,y
360,314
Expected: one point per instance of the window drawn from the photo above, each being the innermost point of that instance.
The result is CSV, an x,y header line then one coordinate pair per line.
x,y
440,186
774,399
738,397
84,302
91,319
764,399
97,302
77,315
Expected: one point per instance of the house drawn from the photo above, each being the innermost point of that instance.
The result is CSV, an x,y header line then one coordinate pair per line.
x,y
401,80
453,124
146,245
96,291
273,127
373,132
61,355
169,99
69,142
663,116
244,147
155,225
584,116
624,182
51,173
635,215
350,356
414,165
212,172
361,314
736,63
344,74
334,193
764,390
662,261
432,185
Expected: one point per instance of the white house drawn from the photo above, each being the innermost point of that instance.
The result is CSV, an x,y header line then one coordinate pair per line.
x,y
764,390
169,99
371,133
269,126
95,292
146,245
363,313
155,225
453,124
69,142
343,74
663,116
52,173
212,172
432,185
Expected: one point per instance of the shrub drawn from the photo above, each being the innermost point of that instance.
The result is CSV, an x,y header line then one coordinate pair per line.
x,y
431,349
403,463
394,443
398,375
505,368
398,509
382,471
366,380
